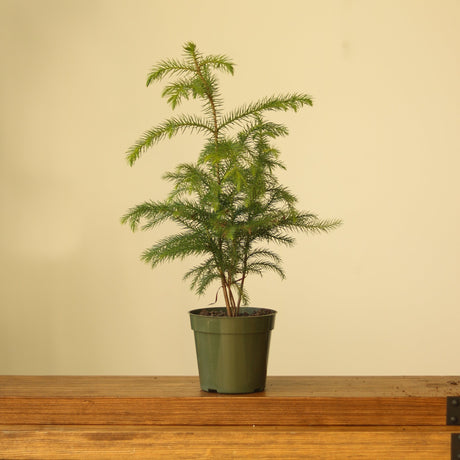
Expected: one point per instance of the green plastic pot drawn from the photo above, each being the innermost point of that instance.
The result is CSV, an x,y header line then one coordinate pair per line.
x,y
232,352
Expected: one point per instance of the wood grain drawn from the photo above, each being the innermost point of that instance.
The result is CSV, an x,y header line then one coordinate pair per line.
x,y
319,418
162,401
188,386
225,411
67,442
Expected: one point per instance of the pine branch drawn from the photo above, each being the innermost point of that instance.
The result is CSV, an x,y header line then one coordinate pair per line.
x,y
174,247
168,67
259,253
260,267
280,195
273,103
202,275
167,129
189,179
275,236
154,213
319,225
183,88
259,128
219,62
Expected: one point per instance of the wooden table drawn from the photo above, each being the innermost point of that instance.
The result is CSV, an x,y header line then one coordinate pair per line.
x,y
318,418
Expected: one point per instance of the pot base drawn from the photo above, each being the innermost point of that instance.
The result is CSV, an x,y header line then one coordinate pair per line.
x,y
211,390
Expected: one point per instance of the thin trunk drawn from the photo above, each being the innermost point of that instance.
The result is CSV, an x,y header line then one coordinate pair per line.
x,y
243,274
232,298
227,301
210,99
226,287
240,294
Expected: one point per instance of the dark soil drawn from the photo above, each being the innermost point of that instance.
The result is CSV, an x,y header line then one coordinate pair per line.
x,y
223,312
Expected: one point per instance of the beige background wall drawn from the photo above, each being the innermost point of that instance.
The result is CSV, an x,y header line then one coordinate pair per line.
x,y
380,149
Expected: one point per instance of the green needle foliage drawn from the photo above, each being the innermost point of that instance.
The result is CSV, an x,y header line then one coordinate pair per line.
x,y
229,203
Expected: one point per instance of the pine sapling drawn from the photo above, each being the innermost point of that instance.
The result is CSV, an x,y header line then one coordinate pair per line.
x,y
228,202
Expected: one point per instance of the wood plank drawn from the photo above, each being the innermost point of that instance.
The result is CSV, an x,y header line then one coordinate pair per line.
x,y
67,442
302,401
228,410
188,386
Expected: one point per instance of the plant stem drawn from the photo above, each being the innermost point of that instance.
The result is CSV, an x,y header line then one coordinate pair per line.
x,y
224,289
210,97
232,299
228,295
243,273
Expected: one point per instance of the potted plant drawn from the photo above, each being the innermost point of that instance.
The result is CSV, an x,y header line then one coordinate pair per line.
x,y
229,206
